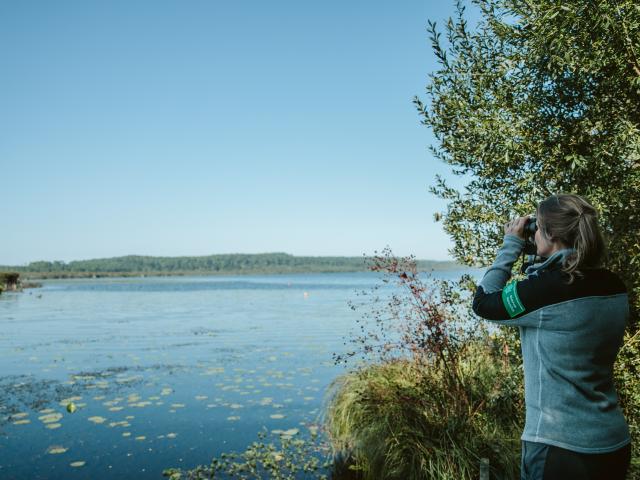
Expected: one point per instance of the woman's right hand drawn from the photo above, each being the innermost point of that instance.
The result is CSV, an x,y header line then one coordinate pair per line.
x,y
516,226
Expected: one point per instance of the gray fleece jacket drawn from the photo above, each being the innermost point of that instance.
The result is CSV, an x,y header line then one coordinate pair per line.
x,y
570,336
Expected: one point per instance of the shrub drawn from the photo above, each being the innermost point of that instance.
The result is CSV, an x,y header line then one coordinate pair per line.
x,y
438,394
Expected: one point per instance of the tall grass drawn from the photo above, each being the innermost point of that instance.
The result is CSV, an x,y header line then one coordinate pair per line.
x,y
436,393
394,420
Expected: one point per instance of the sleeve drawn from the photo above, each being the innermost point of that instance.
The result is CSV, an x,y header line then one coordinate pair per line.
x,y
499,272
511,305
495,301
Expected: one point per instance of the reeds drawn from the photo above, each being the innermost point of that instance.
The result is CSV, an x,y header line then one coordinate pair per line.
x,y
400,420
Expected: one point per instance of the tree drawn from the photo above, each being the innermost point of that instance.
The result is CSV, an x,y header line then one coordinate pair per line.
x,y
542,97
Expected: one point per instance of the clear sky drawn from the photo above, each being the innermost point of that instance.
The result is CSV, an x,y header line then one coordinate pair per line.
x,y
200,127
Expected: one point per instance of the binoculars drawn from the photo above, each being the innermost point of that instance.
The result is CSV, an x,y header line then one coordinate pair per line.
x,y
530,227
530,249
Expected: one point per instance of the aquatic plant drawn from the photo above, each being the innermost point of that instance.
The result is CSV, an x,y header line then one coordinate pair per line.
x,y
286,458
438,392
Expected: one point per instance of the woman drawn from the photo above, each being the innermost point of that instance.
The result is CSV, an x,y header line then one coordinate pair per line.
x,y
572,314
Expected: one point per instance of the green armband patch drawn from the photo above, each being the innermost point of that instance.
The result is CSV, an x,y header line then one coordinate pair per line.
x,y
511,300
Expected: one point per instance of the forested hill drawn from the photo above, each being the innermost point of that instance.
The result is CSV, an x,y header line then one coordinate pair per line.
x,y
212,264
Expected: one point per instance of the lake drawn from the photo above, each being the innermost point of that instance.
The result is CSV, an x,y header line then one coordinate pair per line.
x,y
165,371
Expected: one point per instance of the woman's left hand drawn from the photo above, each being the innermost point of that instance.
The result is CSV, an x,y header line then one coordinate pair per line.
x,y
516,227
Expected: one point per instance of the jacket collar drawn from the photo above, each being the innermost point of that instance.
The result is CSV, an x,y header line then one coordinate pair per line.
x,y
555,260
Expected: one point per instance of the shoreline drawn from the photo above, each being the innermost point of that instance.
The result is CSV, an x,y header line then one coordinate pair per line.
x,y
31,276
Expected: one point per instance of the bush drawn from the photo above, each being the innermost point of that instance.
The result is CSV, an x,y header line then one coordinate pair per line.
x,y
439,392
396,421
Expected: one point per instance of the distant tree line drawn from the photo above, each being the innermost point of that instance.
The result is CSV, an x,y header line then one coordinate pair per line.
x,y
223,263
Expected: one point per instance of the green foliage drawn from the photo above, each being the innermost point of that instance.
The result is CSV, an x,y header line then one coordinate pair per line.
x,y
212,264
541,98
627,375
398,421
284,459
438,393
9,281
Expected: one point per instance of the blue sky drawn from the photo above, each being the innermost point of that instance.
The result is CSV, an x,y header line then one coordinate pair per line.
x,y
201,127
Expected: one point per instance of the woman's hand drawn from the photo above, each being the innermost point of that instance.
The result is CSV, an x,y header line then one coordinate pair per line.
x,y
516,227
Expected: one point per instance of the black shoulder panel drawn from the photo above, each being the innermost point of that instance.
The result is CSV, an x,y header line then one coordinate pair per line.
x,y
546,288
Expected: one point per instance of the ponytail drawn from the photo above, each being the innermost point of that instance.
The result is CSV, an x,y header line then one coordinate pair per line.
x,y
573,221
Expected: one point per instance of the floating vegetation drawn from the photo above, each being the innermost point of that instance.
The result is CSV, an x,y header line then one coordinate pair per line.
x,y
97,419
79,463
233,418
166,391
122,423
172,435
50,417
126,434
286,459
177,405
130,379
22,422
65,401
55,449
286,434
115,409
18,415
276,416
213,371
201,397
53,426
141,437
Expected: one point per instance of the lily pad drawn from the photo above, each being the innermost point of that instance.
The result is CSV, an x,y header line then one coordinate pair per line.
x,y
50,417
54,449
64,402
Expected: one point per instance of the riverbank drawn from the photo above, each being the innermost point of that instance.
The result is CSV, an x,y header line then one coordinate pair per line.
x,y
11,281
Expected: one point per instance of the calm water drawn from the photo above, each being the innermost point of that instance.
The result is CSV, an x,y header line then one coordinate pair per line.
x,y
165,372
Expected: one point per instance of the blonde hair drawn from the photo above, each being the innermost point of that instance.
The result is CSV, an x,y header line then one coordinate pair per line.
x,y
572,221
